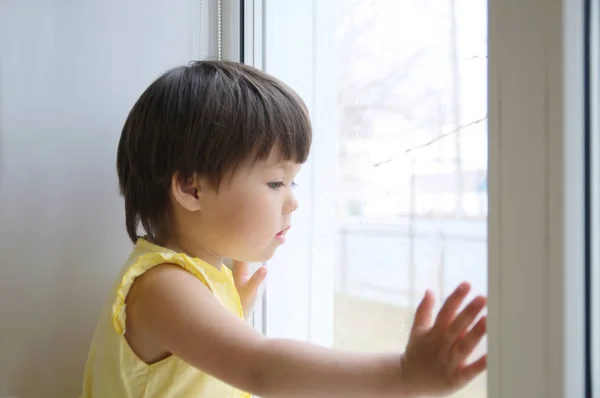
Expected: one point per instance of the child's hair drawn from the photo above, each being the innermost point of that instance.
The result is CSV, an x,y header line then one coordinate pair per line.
x,y
206,119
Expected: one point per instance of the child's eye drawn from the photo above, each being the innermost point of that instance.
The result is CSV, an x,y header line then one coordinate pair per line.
x,y
279,184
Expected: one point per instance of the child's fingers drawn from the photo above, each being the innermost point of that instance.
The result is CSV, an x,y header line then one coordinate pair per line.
x,y
241,272
255,281
473,370
463,320
451,305
465,346
423,315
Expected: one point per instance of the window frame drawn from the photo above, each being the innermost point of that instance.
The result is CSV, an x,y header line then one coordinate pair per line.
x,y
536,267
592,70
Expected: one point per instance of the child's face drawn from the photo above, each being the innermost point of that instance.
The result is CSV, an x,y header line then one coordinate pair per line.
x,y
247,218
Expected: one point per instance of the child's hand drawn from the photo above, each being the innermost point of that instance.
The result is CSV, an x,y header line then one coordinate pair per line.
x,y
247,285
435,359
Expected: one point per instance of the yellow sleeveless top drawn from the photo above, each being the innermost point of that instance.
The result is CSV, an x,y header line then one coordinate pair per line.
x,y
112,369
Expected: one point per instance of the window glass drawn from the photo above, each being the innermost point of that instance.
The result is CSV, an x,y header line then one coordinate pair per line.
x,y
412,125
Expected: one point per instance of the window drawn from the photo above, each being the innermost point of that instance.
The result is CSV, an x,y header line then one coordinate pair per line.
x,y
437,113
407,109
412,200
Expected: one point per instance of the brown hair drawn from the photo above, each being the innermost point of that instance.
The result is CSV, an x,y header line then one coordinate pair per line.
x,y
206,118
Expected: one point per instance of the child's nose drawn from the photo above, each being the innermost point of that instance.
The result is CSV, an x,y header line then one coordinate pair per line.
x,y
291,205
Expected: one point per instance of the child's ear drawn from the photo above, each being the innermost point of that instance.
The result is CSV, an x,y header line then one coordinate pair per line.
x,y
187,192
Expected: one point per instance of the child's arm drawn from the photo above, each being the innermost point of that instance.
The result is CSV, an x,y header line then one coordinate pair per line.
x,y
186,319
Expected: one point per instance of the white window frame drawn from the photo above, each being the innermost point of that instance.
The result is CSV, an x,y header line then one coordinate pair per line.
x,y
536,196
536,188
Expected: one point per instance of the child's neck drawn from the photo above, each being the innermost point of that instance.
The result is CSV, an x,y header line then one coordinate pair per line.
x,y
193,250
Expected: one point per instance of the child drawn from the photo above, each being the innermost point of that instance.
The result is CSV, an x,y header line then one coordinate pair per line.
x,y
206,164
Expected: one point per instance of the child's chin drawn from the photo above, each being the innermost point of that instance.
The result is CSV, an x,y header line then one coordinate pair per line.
x,y
264,257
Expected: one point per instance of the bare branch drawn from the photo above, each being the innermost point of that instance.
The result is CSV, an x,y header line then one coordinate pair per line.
x,y
474,122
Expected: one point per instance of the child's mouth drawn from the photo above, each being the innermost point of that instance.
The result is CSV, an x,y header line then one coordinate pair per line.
x,y
281,235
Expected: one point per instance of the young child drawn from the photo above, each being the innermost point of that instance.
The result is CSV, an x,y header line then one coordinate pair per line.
x,y
206,165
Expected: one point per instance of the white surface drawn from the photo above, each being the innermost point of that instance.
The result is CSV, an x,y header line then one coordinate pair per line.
x,y
536,198
69,74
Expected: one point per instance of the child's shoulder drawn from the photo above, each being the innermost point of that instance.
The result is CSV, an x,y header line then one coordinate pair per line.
x,y
150,264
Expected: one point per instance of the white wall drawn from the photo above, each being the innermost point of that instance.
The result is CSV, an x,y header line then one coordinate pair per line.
x,y
70,71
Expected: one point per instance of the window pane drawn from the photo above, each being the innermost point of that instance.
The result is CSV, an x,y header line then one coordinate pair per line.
x,y
412,107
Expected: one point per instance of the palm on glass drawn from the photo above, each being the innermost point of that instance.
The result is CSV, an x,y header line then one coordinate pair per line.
x,y
248,284
435,360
